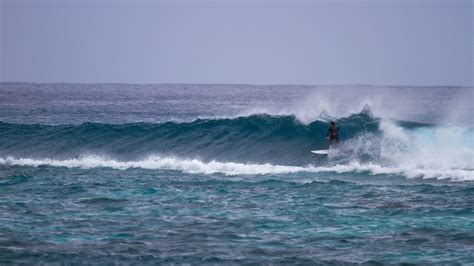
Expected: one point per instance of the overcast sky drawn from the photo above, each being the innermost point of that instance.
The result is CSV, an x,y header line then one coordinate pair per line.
x,y
419,42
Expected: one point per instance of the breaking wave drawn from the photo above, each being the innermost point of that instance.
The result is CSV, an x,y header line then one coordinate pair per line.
x,y
252,145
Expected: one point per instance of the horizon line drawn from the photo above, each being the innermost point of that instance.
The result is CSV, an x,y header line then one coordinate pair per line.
x,y
230,84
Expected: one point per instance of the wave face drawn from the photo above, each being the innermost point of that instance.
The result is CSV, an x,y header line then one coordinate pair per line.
x,y
257,144
257,138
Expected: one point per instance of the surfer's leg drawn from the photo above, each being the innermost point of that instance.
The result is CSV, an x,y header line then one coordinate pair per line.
x,y
331,138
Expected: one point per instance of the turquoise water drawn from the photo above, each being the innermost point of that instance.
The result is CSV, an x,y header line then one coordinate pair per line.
x,y
79,215
225,188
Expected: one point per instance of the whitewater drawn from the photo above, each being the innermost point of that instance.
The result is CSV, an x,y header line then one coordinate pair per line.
x,y
179,173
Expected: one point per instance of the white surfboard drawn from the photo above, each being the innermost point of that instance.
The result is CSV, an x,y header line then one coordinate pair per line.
x,y
322,152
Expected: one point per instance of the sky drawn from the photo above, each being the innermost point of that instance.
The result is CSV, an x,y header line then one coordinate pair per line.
x,y
383,42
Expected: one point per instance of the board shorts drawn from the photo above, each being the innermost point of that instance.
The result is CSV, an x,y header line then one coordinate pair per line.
x,y
335,137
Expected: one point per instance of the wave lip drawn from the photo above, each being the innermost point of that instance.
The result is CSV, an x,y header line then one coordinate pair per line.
x,y
195,166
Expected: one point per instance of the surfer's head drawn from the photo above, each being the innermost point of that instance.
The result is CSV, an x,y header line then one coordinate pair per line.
x,y
333,123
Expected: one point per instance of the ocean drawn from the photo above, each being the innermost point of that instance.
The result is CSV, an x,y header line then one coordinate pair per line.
x,y
223,174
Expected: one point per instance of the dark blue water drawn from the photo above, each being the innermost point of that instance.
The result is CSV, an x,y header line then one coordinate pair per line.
x,y
222,174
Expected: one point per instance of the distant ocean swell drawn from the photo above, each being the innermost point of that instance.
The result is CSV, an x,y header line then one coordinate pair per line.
x,y
257,144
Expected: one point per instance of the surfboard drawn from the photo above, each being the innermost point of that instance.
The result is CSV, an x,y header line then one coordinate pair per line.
x,y
322,152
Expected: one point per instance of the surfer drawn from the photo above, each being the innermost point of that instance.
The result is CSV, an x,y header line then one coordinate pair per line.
x,y
333,133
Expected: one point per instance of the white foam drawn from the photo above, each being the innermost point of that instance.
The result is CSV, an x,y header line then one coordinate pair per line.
x,y
436,148
156,162
427,152
195,166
